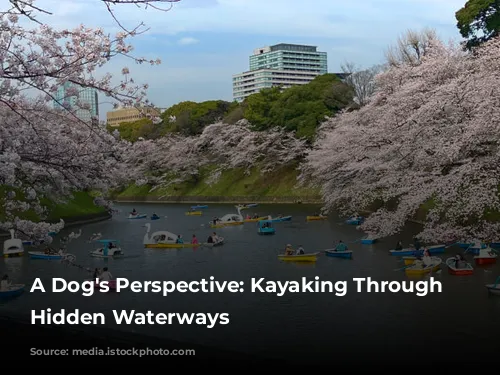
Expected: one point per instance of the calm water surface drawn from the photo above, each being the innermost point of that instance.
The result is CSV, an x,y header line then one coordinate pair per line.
x,y
300,323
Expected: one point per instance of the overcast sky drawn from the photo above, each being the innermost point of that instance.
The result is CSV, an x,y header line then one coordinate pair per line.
x,y
203,42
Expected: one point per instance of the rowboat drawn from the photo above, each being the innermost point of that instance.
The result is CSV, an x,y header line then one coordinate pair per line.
x,y
163,240
409,260
220,242
104,251
255,220
419,269
280,219
194,213
355,220
404,252
314,218
138,216
476,248
466,268
486,256
312,257
155,217
433,250
265,227
42,255
368,241
339,254
495,245
13,291
199,207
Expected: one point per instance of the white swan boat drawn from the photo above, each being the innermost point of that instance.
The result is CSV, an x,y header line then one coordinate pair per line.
x,y
227,220
13,247
163,240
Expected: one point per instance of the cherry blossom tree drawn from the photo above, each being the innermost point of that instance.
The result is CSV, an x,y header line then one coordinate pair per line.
x,y
47,153
429,136
174,159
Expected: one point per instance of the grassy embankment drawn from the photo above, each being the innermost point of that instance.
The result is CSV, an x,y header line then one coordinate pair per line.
x,y
81,206
280,184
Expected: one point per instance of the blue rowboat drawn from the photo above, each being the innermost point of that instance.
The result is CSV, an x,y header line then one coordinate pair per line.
x,y
354,221
199,207
495,245
280,219
155,217
368,241
42,255
265,227
13,291
347,254
403,252
138,216
433,250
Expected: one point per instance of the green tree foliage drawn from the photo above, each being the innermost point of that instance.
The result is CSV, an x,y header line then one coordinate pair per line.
x,y
132,131
479,20
299,108
191,117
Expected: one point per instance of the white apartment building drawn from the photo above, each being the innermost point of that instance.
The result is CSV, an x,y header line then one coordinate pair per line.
x,y
283,65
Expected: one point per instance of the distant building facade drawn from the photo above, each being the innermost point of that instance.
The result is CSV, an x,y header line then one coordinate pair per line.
x,y
129,114
283,65
85,103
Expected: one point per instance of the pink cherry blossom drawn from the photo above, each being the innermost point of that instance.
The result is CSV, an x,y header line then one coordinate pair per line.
x,y
429,134
46,153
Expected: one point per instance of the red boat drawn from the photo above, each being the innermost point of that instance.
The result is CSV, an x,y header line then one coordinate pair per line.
x,y
486,256
464,268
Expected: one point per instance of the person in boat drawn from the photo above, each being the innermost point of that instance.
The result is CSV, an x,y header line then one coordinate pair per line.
x,y
179,239
426,259
194,240
210,239
154,216
300,250
280,215
215,238
289,250
248,217
111,245
459,260
399,246
255,216
134,212
341,246
106,275
5,283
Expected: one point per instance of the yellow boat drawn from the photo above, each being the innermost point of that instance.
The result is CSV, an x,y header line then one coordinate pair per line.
x,y
312,257
255,220
312,218
194,213
417,269
223,225
409,260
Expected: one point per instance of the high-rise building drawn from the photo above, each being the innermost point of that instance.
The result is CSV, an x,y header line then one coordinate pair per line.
x,y
283,65
82,100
